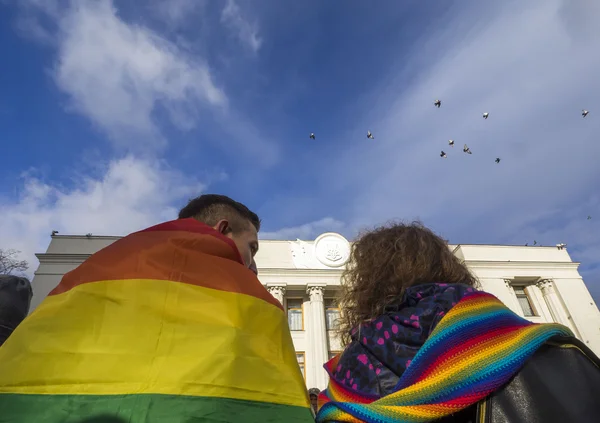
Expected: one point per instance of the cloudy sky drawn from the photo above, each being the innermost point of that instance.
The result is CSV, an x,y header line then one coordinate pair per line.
x,y
113,114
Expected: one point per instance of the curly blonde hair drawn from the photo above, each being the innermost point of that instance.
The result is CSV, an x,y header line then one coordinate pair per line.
x,y
387,260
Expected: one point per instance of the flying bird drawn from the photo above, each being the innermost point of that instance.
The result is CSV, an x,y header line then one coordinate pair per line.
x,y
467,149
497,160
442,154
485,115
589,218
451,143
437,103
370,135
584,113
312,136
534,242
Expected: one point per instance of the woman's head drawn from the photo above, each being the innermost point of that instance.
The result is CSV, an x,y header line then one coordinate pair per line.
x,y
386,261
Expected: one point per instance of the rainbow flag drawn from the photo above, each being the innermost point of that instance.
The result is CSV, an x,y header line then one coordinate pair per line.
x,y
164,325
476,349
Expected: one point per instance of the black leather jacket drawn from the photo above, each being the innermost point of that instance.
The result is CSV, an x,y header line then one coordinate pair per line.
x,y
15,299
559,384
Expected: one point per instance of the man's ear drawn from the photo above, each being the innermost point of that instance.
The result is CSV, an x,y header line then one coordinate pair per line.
x,y
223,226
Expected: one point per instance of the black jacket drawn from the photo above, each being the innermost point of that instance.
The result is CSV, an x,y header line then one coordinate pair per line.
x,y
559,384
15,299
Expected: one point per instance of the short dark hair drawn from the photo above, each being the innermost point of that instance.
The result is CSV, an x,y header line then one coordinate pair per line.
x,y
210,208
314,391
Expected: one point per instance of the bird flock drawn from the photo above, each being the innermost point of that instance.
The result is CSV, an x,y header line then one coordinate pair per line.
x,y
466,149
438,103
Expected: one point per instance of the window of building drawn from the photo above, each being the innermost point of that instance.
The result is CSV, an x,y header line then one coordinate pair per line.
x,y
333,354
300,358
332,314
295,315
524,301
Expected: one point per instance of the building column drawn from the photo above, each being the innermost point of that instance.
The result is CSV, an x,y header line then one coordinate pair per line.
x,y
557,310
277,291
317,336
515,306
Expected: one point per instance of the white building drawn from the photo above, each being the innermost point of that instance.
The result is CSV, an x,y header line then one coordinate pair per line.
x,y
540,283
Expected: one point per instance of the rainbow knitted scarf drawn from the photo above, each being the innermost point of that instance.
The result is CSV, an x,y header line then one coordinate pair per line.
x,y
474,350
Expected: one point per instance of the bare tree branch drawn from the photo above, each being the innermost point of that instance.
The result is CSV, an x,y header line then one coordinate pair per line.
x,y
10,264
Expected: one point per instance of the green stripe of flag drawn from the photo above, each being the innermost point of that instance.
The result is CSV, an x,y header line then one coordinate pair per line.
x,y
143,408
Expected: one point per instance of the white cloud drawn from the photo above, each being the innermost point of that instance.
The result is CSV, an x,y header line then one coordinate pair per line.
x,y
30,27
130,195
30,22
533,67
246,31
307,231
116,74
122,75
128,80
176,12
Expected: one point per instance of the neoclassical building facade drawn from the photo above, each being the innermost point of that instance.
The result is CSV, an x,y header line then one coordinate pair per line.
x,y
541,284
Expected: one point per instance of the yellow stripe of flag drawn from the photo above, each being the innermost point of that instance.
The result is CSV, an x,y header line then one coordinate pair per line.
x,y
154,336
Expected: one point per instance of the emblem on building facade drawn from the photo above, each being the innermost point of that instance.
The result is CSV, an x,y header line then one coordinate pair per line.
x,y
331,249
333,252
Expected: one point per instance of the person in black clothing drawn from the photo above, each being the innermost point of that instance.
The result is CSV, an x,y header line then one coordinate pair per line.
x,y
15,299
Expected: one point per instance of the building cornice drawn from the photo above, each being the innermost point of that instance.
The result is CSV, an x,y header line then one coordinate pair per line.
x,y
454,247
92,237
280,271
62,257
529,264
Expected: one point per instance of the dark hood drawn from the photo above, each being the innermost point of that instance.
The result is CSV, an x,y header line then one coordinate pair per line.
x,y
382,349
15,298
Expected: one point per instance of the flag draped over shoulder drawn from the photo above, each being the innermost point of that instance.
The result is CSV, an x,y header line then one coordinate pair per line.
x,y
164,325
476,348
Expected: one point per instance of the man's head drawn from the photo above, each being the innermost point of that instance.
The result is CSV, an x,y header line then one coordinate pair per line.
x,y
232,219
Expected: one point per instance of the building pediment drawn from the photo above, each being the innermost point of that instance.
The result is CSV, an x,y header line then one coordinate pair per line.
x,y
328,251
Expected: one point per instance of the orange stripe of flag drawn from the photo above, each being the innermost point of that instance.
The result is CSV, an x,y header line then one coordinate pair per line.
x,y
192,225
178,251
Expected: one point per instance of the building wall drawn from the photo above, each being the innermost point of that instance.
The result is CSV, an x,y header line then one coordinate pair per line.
x,y
310,271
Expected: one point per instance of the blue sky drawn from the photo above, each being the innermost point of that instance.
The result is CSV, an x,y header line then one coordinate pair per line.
x,y
113,114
